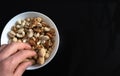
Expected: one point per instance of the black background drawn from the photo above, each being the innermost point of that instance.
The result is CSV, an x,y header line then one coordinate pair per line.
x,y
89,35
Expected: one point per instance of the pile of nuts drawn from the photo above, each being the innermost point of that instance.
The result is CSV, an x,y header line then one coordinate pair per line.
x,y
37,33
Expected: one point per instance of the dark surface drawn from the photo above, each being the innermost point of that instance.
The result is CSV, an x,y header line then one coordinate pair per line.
x,y
89,36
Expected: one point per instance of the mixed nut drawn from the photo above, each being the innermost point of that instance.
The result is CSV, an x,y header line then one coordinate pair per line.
x,y
37,33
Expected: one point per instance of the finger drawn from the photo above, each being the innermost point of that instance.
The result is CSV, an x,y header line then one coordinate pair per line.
x,y
20,56
21,68
2,47
13,48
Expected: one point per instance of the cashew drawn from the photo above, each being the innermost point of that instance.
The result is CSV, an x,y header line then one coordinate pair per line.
x,y
14,39
21,30
41,60
36,35
39,24
11,34
18,22
19,40
38,19
24,40
47,29
38,42
45,37
20,33
42,52
18,26
41,36
30,33
23,23
28,19
47,55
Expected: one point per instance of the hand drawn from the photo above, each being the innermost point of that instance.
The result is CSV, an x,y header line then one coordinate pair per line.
x,y
11,58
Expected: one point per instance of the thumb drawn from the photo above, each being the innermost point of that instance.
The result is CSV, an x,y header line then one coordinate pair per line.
x,y
21,68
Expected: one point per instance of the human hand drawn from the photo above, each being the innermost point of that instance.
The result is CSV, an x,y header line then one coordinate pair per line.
x,y
12,57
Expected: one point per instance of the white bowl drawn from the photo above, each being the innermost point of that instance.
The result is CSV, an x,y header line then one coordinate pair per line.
x,y
7,28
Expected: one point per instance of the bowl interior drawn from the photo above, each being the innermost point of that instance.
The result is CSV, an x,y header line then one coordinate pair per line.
x,y
7,28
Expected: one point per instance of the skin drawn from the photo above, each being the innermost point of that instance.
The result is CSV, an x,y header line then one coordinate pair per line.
x,y
11,58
